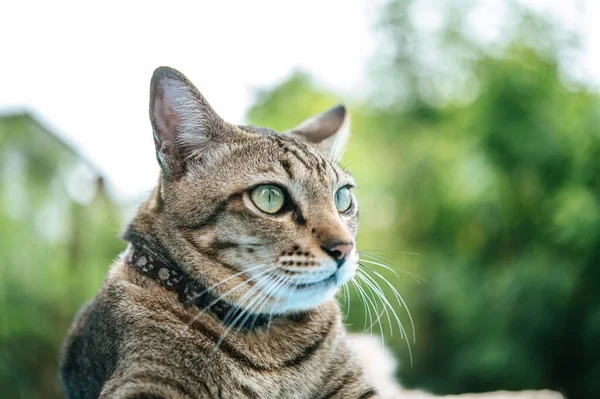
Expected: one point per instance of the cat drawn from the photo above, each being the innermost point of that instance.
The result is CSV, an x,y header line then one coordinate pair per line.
x,y
226,288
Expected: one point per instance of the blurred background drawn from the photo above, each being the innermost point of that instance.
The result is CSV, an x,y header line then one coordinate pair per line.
x,y
476,145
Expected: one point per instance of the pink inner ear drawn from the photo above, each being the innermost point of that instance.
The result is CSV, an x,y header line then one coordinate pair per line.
x,y
166,119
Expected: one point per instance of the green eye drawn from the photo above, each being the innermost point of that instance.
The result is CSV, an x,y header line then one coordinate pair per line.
x,y
343,199
268,198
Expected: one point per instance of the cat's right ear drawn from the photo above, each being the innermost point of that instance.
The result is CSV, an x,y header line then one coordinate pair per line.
x,y
328,132
183,122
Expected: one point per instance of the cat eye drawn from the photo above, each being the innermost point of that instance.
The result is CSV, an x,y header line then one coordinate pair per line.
x,y
268,198
343,199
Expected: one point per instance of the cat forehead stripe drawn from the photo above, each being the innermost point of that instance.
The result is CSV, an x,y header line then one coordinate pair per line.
x,y
303,153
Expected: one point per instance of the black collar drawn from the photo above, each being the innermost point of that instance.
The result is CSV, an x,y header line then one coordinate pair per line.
x,y
190,291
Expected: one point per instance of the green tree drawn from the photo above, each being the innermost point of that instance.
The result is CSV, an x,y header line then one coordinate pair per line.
x,y
54,251
485,161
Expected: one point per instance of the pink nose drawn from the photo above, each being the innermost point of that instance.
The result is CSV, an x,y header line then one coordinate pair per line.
x,y
338,250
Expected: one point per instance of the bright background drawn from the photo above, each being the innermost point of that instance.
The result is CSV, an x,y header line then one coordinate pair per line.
x,y
475,144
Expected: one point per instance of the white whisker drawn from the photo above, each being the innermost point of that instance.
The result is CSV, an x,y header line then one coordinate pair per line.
x,y
400,300
378,294
227,293
402,303
287,284
240,284
395,252
257,308
363,296
230,326
414,276
212,287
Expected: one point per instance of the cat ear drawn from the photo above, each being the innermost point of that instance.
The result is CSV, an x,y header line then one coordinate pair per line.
x,y
183,122
329,131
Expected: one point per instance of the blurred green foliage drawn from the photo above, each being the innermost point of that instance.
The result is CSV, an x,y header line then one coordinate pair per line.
x,y
481,156
54,251
486,162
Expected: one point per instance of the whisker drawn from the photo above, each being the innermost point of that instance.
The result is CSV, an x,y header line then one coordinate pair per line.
x,y
395,252
267,293
285,286
377,320
400,299
418,279
231,325
376,310
251,309
227,293
212,287
240,284
345,294
231,313
361,301
402,302
385,300
323,313
348,299
378,257
377,292
290,284
364,297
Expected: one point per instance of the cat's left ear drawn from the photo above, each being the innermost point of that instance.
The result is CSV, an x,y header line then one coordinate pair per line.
x,y
328,132
183,123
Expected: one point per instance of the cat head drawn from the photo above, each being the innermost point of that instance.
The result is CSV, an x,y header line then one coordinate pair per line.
x,y
266,220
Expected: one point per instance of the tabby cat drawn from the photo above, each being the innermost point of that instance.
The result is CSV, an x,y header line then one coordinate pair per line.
x,y
226,288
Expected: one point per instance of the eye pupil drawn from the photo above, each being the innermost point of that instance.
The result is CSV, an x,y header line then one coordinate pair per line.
x,y
268,198
343,199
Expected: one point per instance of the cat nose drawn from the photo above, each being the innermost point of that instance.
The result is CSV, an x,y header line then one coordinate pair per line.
x,y
338,250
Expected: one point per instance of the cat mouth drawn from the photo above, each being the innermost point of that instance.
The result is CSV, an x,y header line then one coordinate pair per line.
x,y
328,280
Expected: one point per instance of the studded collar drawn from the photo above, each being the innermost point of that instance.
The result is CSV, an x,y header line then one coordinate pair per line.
x,y
190,291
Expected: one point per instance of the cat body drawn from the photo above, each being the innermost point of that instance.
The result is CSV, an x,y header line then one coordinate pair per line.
x,y
136,342
227,287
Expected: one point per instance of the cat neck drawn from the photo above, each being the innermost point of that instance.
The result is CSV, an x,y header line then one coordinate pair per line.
x,y
153,262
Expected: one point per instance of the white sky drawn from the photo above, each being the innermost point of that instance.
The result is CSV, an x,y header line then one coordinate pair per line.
x,y
84,67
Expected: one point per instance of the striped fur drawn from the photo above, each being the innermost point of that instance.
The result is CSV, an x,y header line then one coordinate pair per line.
x,y
138,340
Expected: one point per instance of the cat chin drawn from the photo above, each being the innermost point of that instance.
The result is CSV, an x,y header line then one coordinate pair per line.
x,y
308,298
310,290
311,296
